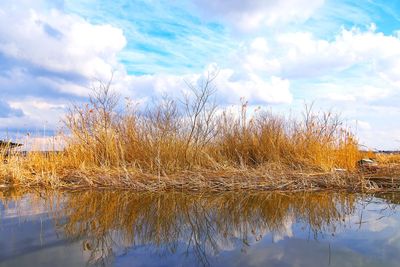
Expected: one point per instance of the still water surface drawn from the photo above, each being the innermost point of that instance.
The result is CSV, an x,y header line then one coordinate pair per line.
x,y
176,229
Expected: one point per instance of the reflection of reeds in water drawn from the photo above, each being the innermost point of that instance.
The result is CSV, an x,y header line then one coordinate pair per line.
x,y
203,223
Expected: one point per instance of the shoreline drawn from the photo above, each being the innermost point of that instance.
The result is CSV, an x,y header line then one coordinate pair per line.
x,y
384,180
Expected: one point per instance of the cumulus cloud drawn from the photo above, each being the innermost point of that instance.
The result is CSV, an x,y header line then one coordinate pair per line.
x,y
48,58
356,92
59,42
355,65
231,86
52,55
257,90
308,56
38,114
301,55
251,15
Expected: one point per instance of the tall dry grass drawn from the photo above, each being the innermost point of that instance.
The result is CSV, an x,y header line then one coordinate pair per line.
x,y
318,141
109,145
387,159
194,133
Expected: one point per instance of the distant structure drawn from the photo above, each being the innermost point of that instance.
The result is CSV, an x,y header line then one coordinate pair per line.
x,y
8,144
390,152
5,149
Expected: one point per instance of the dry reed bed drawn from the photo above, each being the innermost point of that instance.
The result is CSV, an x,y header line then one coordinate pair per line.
x,y
192,144
261,179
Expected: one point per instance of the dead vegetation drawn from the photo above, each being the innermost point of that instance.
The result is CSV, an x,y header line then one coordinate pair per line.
x,y
192,144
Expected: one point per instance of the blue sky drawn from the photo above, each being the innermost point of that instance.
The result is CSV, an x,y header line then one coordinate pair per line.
x,y
343,55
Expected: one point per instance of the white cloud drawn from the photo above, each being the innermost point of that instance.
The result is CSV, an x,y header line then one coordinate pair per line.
x,y
364,125
59,42
356,71
251,15
48,59
260,44
356,92
381,136
253,88
301,55
230,86
38,115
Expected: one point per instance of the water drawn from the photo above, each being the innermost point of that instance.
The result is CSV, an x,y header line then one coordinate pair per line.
x,y
176,229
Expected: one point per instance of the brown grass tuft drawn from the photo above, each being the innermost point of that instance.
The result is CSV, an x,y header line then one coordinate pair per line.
x,y
174,142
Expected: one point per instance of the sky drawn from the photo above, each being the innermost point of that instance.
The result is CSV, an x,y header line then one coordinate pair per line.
x,y
340,55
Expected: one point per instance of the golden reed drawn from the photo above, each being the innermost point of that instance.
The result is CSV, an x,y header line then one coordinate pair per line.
x,y
190,144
